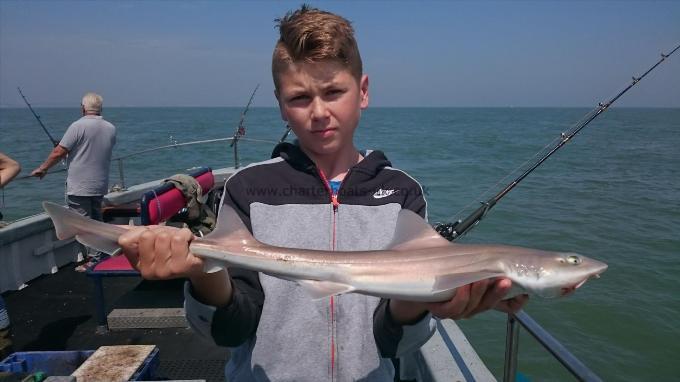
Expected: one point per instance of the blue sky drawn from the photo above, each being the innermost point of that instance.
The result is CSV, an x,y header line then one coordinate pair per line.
x,y
209,53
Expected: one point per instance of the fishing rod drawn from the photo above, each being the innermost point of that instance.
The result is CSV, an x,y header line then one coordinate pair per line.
x,y
241,130
285,134
452,231
31,176
54,141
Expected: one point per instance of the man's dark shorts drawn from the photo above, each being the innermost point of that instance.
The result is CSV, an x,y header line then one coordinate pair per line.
x,y
86,205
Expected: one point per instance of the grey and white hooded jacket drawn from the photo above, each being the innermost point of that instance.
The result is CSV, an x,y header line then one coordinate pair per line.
x,y
275,331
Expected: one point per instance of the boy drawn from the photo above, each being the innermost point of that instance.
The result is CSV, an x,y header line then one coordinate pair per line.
x,y
319,194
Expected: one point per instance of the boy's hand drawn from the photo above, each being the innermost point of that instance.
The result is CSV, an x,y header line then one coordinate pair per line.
x,y
478,297
468,301
161,252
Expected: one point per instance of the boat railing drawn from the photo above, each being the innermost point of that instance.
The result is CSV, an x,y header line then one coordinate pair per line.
x,y
577,368
121,159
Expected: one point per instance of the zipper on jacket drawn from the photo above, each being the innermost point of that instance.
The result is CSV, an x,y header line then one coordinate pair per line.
x,y
335,203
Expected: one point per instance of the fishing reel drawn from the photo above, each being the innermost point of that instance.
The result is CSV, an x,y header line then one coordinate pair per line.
x,y
447,230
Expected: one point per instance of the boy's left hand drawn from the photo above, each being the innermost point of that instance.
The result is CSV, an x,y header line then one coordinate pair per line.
x,y
477,297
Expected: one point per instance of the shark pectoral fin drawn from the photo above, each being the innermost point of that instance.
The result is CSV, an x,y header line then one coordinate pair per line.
x,y
99,243
320,289
212,265
455,280
515,291
412,232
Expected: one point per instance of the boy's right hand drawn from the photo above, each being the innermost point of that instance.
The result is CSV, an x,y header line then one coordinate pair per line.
x,y
161,252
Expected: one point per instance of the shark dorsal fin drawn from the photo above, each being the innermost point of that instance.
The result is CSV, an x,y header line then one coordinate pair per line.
x,y
230,227
412,232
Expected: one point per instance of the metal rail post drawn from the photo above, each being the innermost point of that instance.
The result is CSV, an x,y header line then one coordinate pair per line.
x,y
559,352
235,144
121,175
511,349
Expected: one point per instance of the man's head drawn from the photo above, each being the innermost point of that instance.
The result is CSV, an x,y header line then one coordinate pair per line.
x,y
310,35
92,104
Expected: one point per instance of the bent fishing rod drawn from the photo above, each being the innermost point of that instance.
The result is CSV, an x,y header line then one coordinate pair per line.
x,y
29,176
54,141
241,130
452,231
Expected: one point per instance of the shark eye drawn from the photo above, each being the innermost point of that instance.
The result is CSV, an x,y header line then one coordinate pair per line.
x,y
574,260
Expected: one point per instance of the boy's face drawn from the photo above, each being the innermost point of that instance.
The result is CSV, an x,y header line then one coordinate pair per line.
x,y
322,104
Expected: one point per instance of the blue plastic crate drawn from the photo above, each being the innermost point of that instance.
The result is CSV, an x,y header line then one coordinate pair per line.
x,y
60,363
147,371
49,362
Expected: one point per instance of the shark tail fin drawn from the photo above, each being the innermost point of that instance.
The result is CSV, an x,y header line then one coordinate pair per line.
x,y
99,243
61,217
98,235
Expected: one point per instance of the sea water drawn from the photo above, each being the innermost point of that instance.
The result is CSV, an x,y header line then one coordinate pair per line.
x,y
612,193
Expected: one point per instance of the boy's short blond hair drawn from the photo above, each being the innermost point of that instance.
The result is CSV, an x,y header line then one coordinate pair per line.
x,y
312,35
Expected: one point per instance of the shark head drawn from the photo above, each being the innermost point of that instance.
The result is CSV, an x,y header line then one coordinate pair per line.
x,y
556,275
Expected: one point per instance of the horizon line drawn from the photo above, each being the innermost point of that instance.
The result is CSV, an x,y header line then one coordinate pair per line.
x,y
370,107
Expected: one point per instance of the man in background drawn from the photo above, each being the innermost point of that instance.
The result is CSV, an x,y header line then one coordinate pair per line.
x,y
87,145
9,168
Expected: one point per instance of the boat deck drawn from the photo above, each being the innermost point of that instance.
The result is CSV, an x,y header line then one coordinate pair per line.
x,y
57,312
